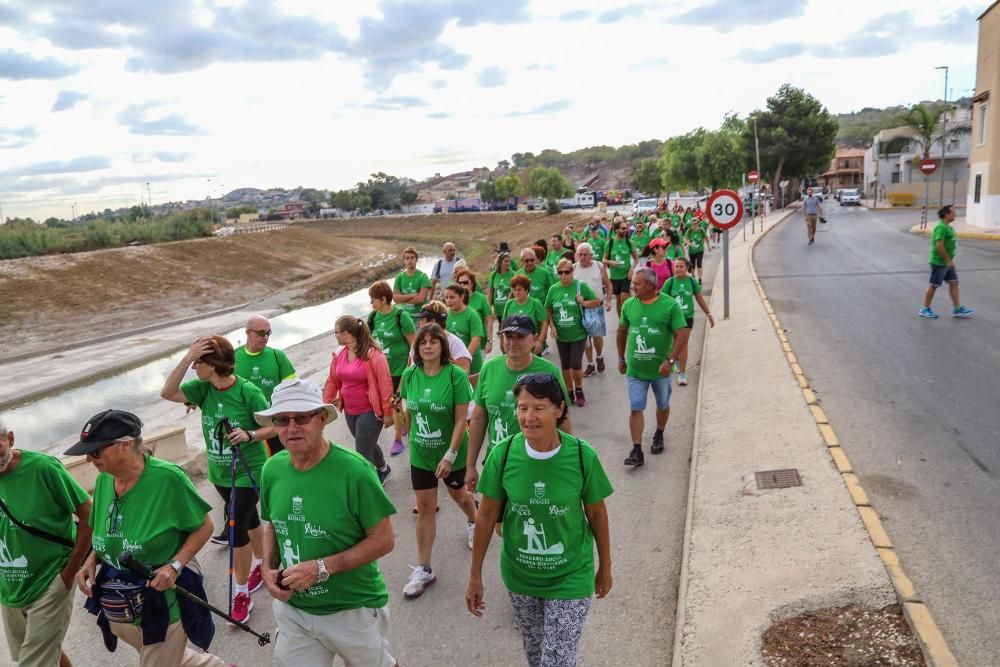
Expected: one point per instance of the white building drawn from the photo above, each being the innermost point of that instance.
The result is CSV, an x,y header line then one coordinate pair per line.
x,y
893,164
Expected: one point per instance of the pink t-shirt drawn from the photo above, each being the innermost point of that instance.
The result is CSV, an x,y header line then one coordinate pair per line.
x,y
662,271
353,385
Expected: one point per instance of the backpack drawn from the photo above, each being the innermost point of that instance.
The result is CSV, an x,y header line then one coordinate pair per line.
x,y
399,320
503,466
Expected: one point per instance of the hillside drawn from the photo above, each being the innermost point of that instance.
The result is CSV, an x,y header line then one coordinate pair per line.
x,y
858,127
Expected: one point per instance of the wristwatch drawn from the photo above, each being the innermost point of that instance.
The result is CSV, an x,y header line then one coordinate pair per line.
x,y
253,435
321,573
177,565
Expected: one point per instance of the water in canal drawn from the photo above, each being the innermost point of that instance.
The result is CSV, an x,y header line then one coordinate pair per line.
x,y
48,419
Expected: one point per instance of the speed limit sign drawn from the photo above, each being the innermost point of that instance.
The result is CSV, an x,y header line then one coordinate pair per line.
x,y
725,209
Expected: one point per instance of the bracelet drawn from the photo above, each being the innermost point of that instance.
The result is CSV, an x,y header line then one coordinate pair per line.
x,y
450,456
252,435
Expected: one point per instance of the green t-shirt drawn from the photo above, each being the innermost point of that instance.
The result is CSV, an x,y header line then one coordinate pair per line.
x,y
619,250
682,291
533,308
548,545
688,215
541,281
322,511
238,403
265,369
495,393
478,303
466,325
567,315
431,402
640,241
943,232
151,520
674,251
599,245
390,330
40,493
406,284
500,284
696,240
553,257
651,328
675,221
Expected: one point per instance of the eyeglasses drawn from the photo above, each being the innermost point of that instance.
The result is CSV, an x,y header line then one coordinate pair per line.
x,y
465,282
96,454
260,332
565,273
537,379
281,421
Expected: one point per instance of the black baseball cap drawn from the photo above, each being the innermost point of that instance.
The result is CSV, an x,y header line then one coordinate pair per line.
x,y
432,316
519,324
103,429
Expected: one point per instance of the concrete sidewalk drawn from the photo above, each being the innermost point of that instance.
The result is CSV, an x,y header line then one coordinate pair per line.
x,y
754,556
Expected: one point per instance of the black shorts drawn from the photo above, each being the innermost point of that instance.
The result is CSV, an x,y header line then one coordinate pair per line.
x,y
422,480
395,382
696,258
690,323
571,354
621,286
246,513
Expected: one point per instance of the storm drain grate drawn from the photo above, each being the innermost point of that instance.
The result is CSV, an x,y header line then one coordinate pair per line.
x,y
778,479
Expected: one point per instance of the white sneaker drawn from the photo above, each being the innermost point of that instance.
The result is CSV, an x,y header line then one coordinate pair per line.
x,y
682,379
420,579
471,527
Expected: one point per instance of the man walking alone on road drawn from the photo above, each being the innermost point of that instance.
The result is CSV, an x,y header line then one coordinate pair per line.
x,y
651,335
812,209
38,561
942,261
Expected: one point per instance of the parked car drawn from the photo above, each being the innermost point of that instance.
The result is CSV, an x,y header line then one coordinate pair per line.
x,y
850,198
644,206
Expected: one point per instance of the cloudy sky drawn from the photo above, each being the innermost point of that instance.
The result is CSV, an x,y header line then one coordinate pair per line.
x,y
198,97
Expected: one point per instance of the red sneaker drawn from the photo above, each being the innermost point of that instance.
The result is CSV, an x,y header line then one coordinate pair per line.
x,y
256,579
242,605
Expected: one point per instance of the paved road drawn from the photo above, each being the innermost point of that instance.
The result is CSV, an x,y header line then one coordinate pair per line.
x,y
633,626
912,400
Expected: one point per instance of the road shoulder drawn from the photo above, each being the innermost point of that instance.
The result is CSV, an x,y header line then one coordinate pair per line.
x,y
753,555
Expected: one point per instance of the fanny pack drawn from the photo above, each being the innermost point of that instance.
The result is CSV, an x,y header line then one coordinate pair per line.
x,y
122,601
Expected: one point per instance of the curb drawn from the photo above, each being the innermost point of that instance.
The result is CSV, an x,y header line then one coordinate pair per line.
x,y
680,617
918,616
981,236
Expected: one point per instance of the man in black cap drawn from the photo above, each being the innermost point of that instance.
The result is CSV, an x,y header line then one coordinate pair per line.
x,y
494,413
38,561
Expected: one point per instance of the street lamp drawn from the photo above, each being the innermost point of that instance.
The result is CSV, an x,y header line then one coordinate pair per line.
x,y
944,130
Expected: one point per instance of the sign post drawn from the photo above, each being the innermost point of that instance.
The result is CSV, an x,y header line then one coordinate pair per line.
x,y
927,167
754,177
725,209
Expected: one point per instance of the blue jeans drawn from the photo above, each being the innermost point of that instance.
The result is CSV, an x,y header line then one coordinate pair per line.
x,y
638,391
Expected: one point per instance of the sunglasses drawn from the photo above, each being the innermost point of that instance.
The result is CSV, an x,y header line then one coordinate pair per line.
x,y
565,273
96,454
260,332
282,421
537,379
465,282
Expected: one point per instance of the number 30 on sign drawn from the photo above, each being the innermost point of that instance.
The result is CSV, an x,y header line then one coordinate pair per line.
x,y
725,209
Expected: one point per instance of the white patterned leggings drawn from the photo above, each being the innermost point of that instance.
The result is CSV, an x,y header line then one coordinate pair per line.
x,y
550,629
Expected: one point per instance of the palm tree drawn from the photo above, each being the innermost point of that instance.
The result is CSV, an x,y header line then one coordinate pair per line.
x,y
928,126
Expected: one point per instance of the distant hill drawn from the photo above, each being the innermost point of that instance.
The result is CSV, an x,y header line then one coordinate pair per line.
x,y
858,127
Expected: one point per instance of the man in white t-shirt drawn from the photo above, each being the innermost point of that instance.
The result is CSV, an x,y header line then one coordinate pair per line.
x,y
443,268
594,274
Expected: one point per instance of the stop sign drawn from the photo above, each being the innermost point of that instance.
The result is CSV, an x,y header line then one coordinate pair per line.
x,y
928,167
753,177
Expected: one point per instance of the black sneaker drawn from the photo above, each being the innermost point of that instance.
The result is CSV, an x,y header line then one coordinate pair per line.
x,y
636,457
657,447
589,371
384,474
222,539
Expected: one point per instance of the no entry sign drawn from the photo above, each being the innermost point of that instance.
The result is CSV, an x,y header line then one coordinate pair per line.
x,y
725,209
753,177
928,167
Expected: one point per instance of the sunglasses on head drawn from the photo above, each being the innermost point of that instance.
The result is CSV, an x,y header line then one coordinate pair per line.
x,y
537,379
281,421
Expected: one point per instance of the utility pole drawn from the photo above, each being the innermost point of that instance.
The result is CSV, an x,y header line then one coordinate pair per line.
x,y
944,129
756,186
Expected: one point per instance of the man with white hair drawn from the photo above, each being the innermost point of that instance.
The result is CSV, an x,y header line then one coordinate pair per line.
x,y
262,365
443,268
328,526
38,562
594,274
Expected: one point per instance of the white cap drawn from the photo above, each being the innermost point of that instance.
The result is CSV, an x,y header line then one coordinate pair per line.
x,y
295,396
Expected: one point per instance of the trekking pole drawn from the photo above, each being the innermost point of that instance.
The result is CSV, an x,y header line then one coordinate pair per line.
x,y
130,563
232,522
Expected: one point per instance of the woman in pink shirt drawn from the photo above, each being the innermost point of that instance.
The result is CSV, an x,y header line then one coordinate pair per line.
x,y
360,385
662,267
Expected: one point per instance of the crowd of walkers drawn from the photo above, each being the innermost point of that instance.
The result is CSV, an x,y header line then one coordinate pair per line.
x,y
308,520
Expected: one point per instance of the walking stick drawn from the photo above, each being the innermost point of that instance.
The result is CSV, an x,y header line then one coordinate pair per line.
x,y
130,563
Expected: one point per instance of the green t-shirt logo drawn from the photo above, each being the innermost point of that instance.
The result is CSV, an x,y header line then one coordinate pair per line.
x,y
8,560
